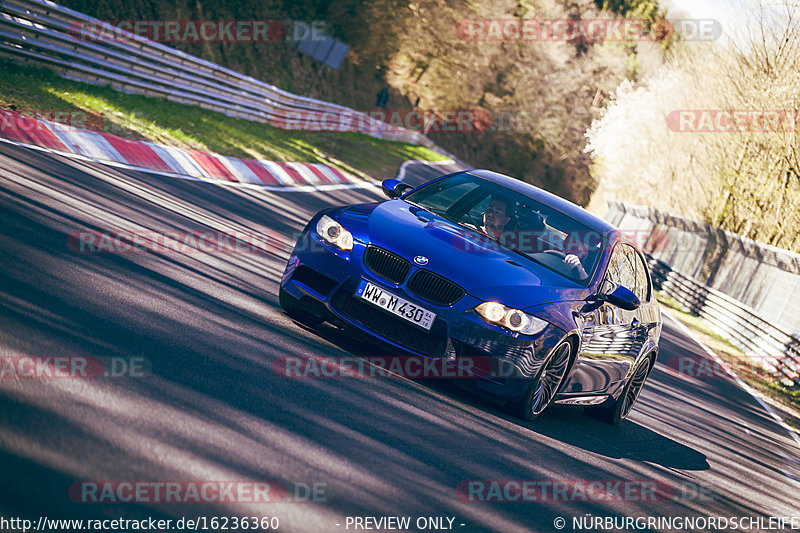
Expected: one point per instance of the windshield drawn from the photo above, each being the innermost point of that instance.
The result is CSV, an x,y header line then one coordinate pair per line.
x,y
511,220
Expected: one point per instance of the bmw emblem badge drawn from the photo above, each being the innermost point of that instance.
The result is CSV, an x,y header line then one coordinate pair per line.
x,y
421,260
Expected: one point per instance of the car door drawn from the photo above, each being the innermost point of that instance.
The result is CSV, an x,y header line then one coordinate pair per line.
x,y
609,333
648,314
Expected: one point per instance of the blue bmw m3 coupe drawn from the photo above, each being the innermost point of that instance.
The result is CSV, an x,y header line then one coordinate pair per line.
x,y
481,265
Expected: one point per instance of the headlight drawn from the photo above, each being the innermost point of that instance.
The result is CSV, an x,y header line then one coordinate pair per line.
x,y
334,233
510,318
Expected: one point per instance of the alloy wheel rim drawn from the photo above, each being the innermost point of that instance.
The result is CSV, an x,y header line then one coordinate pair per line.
x,y
636,386
550,379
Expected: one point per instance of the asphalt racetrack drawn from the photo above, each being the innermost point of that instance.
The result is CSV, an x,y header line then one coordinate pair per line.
x,y
190,393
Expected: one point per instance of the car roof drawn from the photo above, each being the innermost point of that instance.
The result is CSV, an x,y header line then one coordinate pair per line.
x,y
540,195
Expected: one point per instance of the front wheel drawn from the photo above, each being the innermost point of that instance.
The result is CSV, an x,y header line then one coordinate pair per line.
x,y
620,410
544,388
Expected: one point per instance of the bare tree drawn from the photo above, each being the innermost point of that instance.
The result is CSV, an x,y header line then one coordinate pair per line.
x,y
668,143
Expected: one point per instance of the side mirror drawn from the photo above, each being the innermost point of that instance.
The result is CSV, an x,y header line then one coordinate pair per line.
x,y
393,188
620,296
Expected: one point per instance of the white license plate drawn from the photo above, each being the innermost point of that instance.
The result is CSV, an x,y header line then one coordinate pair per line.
x,y
395,305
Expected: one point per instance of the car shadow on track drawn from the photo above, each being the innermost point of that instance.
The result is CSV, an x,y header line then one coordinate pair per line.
x,y
568,424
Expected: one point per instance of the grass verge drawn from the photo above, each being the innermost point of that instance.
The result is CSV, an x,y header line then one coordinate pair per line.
x,y
34,91
785,400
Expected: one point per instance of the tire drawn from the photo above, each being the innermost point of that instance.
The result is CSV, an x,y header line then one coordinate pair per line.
x,y
619,410
542,392
293,309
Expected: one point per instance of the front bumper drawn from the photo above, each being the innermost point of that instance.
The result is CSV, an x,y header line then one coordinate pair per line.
x,y
324,279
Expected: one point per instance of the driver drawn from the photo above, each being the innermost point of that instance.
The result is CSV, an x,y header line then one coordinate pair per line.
x,y
496,216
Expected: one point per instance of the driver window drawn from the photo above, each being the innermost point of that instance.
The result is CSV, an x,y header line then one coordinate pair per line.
x,y
621,270
642,286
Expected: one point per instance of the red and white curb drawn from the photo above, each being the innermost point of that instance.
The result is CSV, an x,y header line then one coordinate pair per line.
x,y
169,161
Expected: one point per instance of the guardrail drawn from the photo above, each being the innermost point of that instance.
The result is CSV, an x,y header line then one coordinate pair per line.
x,y
73,44
771,348
731,263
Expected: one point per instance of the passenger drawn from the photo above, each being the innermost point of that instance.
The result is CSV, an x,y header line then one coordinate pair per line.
x,y
576,251
532,232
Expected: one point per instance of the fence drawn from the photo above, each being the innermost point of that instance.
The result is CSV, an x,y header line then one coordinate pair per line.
x,y
46,34
749,292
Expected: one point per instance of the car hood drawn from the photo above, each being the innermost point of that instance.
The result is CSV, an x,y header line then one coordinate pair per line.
x,y
485,270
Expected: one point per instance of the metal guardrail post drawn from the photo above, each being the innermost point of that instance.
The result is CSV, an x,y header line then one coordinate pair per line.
x,y
46,34
774,348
